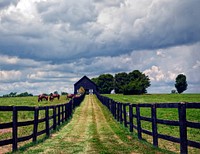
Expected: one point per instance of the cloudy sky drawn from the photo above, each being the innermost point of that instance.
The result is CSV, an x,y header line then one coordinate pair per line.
x,y
48,45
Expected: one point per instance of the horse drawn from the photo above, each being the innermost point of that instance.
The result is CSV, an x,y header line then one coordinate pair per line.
x,y
70,95
42,97
52,96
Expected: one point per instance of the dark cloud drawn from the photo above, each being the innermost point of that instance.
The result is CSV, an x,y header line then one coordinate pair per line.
x,y
60,31
6,3
49,41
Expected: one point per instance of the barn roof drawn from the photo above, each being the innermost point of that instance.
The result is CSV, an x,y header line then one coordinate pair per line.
x,y
84,77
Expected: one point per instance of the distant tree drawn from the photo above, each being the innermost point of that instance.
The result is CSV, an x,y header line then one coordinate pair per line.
x,y
133,83
23,94
121,79
137,83
105,83
95,80
55,92
12,94
6,95
64,93
173,91
181,83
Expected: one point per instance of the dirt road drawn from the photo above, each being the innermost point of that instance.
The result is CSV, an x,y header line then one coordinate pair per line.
x,y
92,130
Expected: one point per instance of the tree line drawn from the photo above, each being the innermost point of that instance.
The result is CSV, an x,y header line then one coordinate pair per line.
x,y
131,83
14,94
134,82
26,94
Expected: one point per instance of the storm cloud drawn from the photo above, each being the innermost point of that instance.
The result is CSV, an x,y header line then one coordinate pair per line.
x,y
59,41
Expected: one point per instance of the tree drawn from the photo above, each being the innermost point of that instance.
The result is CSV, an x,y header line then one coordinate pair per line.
x,y
173,91
105,83
13,94
181,83
133,83
121,79
25,94
64,93
55,92
137,84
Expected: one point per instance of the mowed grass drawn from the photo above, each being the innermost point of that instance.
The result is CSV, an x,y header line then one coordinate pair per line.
x,y
25,101
29,101
155,98
6,116
92,130
168,114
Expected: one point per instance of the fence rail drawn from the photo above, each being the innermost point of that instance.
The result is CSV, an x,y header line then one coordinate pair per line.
x,y
60,113
119,111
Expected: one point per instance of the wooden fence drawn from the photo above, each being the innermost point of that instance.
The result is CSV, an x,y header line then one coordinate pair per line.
x,y
60,113
121,110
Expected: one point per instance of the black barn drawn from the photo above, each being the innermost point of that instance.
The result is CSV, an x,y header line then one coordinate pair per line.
x,y
87,84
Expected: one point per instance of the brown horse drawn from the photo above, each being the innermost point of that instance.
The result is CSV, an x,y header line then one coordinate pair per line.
x,y
52,96
42,97
70,95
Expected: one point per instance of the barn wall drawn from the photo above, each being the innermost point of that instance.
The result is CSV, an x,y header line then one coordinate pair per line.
x,y
86,84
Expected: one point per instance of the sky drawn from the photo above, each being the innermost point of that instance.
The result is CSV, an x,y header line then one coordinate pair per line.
x,y
48,45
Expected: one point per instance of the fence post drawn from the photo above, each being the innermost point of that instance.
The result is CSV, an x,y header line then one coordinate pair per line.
x,y
66,112
154,125
115,115
47,120
138,121
58,115
121,111
117,111
35,127
71,106
14,129
111,106
62,113
124,112
131,117
183,127
54,118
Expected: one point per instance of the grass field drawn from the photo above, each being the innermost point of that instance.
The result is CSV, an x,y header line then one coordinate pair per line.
x,y
92,131
171,114
168,114
24,115
29,101
156,98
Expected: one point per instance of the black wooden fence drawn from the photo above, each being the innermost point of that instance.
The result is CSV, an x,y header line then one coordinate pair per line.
x,y
60,113
119,111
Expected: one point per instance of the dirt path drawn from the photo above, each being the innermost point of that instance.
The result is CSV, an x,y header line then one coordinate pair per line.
x,y
91,130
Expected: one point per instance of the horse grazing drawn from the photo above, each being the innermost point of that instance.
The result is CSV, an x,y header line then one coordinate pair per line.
x,y
42,97
70,96
52,96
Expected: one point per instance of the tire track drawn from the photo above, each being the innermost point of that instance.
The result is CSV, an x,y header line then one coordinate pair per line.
x,y
107,135
92,130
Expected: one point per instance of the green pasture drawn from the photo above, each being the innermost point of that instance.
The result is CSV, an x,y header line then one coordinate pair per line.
x,y
167,114
6,116
155,98
29,101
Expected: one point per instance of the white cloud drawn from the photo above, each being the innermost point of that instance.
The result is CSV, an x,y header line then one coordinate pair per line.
x,y
68,29
156,74
6,3
197,65
45,41
9,76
